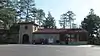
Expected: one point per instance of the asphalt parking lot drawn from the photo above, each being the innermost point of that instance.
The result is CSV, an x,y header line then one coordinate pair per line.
x,y
48,50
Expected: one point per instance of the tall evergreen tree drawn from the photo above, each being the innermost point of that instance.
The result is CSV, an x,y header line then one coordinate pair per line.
x,y
74,25
7,13
92,24
67,19
49,22
25,9
63,21
40,16
71,18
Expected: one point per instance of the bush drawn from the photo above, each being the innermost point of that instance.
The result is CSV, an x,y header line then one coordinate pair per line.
x,y
94,41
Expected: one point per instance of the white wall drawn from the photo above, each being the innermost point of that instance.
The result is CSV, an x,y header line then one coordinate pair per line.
x,y
34,28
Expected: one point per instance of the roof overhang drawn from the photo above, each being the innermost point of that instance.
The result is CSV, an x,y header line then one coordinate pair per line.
x,y
23,23
60,31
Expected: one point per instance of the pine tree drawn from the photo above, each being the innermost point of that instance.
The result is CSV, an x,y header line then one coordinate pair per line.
x,y
49,22
67,19
7,13
40,16
25,10
91,23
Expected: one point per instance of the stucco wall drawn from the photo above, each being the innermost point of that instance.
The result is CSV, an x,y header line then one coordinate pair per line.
x,y
54,36
28,31
22,28
35,28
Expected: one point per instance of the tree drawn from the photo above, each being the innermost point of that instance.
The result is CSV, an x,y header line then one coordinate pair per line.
x,y
25,10
7,14
71,18
40,16
49,22
2,3
74,25
6,3
63,20
92,24
67,19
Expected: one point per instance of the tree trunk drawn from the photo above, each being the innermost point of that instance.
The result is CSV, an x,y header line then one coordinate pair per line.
x,y
27,16
70,25
5,26
64,24
39,22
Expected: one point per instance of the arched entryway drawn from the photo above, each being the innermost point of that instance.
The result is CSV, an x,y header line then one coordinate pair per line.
x,y
25,39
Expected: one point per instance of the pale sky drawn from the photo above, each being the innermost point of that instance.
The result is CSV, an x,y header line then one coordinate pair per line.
x,y
79,7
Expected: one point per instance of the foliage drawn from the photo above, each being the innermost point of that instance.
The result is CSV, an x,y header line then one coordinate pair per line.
x,y
7,14
63,20
71,18
92,24
14,28
74,25
67,19
25,10
40,16
12,35
49,22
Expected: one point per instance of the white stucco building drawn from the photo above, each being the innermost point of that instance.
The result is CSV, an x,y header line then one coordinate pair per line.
x,y
26,31
30,31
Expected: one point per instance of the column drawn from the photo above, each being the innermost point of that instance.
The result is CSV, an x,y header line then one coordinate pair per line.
x,y
19,41
77,37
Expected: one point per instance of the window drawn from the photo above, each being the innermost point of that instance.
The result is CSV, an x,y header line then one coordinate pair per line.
x,y
68,35
34,28
26,27
72,35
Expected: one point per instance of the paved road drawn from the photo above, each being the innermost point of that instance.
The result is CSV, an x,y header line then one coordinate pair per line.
x,y
40,50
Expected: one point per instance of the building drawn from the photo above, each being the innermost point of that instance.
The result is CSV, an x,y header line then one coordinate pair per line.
x,y
26,32
29,31
73,35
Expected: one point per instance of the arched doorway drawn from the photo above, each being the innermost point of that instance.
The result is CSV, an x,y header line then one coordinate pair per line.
x,y
25,39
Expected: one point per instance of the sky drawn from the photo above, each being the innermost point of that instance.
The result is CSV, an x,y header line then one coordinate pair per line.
x,y
80,7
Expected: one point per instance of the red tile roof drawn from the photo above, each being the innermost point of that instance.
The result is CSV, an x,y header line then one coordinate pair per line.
x,y
56,31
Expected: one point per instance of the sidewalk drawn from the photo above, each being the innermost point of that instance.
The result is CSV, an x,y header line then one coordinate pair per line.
x,y
86,46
